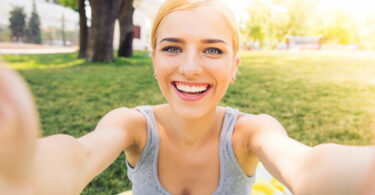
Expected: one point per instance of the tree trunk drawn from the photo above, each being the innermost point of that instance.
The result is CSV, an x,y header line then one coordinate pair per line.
x,y
63,29
104,14
83,29
126,28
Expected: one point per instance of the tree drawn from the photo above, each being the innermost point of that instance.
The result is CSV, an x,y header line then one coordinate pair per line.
x,y
34,35
338,28
126,28
83,29
278,18
17,23
63,29
99,45
256,32
104,14
79,5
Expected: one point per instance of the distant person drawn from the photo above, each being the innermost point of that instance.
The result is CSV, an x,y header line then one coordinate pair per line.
x,y
189,146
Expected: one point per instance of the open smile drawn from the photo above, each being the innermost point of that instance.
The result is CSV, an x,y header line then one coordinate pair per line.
x,y
191,91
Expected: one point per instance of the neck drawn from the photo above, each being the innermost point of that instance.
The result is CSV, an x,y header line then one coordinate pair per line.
x,y
193,131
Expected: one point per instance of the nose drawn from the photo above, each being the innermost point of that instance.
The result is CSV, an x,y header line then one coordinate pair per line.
x,y
191,66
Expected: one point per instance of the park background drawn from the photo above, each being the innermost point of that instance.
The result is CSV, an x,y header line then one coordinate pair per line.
x,y
308,63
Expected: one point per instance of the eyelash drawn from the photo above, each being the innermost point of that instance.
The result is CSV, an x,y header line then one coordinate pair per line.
x,y
169,49
175,50
216,51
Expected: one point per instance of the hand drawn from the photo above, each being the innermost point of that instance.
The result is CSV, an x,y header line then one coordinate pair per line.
x,y
19,129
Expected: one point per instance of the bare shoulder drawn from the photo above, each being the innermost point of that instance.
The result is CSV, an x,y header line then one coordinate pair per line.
x,y
252,128
262,123
129,120
122,117
244,129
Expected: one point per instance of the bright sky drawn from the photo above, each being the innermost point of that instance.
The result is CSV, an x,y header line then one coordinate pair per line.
x,y
351,6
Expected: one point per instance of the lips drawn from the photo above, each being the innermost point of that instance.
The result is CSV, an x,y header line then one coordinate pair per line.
x,y
189,91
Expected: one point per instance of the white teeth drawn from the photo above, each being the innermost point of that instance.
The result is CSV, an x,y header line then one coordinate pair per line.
x,y
192,89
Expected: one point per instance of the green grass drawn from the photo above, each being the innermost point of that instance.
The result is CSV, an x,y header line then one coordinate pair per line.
x,y
318,96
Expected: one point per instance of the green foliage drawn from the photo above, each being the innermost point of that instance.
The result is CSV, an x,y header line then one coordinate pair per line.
x,y
69,3
256,32
318,97
17,23
338,29
279,18
337,34
33,34
273,20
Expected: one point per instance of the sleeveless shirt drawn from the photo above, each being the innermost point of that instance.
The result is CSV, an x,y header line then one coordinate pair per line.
x,y
144,176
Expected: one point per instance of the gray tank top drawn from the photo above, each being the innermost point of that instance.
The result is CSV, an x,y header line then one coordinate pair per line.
x,y
144,175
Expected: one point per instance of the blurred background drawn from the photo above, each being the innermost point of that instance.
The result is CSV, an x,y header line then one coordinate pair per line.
x,y
264,24
308,63
308,24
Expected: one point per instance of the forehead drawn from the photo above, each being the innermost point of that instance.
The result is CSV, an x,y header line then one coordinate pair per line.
x,y
197,23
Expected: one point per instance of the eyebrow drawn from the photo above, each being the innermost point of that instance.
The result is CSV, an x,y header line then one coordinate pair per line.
x,y
174,40
213,41
177,40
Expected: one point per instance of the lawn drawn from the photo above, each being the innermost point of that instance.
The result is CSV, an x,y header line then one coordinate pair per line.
x,y
318,96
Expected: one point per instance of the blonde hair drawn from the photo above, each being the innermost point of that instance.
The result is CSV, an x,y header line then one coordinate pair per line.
x,y
170,6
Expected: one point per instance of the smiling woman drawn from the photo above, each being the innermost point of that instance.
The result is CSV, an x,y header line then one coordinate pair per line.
x,y
193,60
191,146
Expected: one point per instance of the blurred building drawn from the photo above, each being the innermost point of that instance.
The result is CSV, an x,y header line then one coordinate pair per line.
x,y
50,14
53,15
54,20
304,42
143,16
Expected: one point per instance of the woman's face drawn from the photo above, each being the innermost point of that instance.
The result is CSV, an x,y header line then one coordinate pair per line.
x,y
194,60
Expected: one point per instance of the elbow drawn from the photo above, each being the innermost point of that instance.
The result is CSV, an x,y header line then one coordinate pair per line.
x,y
64,145
308,176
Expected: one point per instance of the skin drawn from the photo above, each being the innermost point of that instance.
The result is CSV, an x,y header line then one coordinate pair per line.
x,y
189,131
370,183
19,129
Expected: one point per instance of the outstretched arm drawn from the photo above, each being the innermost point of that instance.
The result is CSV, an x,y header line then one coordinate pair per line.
x,y
323,169
58,164
369,188
66,164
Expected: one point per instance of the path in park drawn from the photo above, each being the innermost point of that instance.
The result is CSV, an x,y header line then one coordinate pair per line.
x,y
22,48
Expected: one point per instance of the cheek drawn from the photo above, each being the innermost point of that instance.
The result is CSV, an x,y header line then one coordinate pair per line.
x,y
164,68
220,69
164,65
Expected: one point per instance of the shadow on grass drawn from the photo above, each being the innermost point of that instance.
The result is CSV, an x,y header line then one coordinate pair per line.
x,y
139,58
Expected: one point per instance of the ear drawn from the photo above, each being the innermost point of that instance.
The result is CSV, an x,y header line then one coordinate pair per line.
x,y
236,62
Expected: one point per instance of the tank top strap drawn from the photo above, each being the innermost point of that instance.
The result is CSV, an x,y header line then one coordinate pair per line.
x,y
152,137
151,120
230,120
227,151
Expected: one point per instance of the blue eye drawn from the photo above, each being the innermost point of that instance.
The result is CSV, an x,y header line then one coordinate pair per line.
x,y
213,51
173,50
